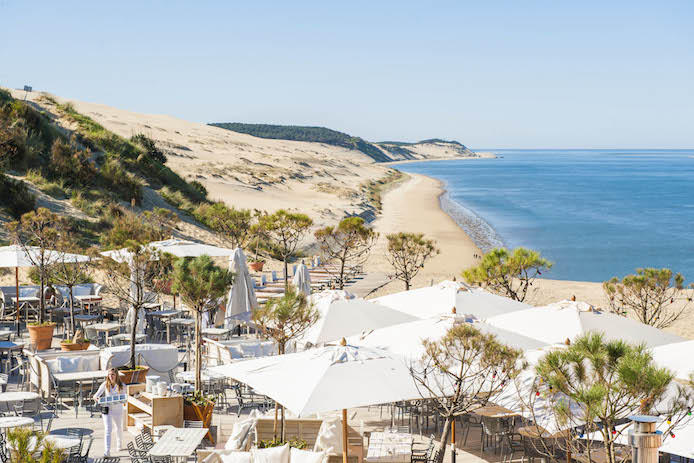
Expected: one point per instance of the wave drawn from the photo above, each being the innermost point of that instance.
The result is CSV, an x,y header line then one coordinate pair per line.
x,y
483,234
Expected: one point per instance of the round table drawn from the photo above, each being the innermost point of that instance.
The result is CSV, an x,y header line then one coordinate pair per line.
x,y
8,422
17,396
63,442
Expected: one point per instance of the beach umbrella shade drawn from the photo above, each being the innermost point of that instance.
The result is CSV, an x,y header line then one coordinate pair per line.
x,y
342,318
678,357
241,298
184,248
439,299
302,279
555,323
327,379
406,339
24,256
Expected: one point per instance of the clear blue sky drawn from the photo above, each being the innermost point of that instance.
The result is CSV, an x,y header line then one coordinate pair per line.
x,y
514,74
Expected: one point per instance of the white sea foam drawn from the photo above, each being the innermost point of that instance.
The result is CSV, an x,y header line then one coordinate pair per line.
x,y
483,234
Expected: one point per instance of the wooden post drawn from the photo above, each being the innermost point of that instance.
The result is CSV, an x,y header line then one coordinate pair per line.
x,y
344,436
16,283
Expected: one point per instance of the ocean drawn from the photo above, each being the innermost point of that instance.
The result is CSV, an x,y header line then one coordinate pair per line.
x,y
595,213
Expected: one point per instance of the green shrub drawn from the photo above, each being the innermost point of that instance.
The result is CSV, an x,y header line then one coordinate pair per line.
x,y
293,442
150,147
15,197
120,181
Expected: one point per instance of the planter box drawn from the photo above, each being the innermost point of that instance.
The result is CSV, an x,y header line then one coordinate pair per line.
x,y
256,266
70,346
42,335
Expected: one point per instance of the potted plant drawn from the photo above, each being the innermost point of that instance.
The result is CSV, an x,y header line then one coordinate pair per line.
x,y
69,345
29,446
256,263
198,407
135,375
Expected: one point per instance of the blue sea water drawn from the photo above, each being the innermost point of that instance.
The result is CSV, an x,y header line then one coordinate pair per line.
x,y
595,213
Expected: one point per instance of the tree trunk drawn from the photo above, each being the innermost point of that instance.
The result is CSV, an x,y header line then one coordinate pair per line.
x,y
72,311
444,440
198,353
42,302
286,275
342,274
133,338
407,285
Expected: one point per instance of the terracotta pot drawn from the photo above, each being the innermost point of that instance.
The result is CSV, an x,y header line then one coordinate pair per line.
x,y
42,335
192,412
70,346
256,266
127,375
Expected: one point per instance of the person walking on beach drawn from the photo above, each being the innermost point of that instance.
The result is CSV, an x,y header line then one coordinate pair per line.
x,y
113,414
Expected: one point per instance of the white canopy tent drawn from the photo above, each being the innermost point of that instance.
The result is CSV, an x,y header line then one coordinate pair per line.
x,y
343,318
678,357
555,323
241,298
302,279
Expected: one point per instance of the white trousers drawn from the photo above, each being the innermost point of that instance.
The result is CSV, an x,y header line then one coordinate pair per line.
x,y
113,423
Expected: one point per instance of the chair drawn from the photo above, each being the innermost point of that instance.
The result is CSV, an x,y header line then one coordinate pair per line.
x,y
423,455
514,443
531,449
63,390
493,429
4,378
249,399
192,424
141,444
137,455
74,453
468,421
27,407
84,456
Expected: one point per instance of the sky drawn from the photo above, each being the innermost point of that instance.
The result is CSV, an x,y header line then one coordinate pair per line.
x,y
490,74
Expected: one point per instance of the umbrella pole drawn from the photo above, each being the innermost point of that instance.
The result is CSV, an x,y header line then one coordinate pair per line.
x,y
344,435
16,283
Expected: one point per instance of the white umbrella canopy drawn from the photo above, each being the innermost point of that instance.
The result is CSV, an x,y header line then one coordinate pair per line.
x,y
241,298
406,339
343,318
327,378
555,323
439,299
19,256
184,248
678,357
302,279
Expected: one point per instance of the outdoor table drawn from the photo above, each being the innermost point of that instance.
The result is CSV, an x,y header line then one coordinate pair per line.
x,y
88,301
538,432
151,305
216,332
189,376
9,422
494,411
106,328
85,319
390,447
62,442
17,396
178,442
80,377
6,348
28,302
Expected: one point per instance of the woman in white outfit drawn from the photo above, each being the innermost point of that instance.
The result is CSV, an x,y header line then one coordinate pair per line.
x,y
113,419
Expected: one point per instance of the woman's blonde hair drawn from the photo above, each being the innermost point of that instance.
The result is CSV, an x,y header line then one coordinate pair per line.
x,y
117,383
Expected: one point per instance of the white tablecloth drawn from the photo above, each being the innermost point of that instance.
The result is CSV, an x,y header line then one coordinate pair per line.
x,y
390,447
160,358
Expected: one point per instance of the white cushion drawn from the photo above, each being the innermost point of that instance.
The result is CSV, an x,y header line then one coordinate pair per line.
x,y
82,290
330,436
236,457
69,364
271,455
236,352
90,362
241,432
53,365
305,456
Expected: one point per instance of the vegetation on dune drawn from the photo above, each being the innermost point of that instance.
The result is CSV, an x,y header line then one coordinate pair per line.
x,y
374,189
304,133
94,168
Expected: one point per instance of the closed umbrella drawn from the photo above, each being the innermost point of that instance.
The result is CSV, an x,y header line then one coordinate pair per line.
x,y
241,298
327,379
302,279
25,256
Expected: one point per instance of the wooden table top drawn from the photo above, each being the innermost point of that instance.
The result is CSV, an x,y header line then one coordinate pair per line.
x,y
538,432
105,326
494,411
178,442
80,375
